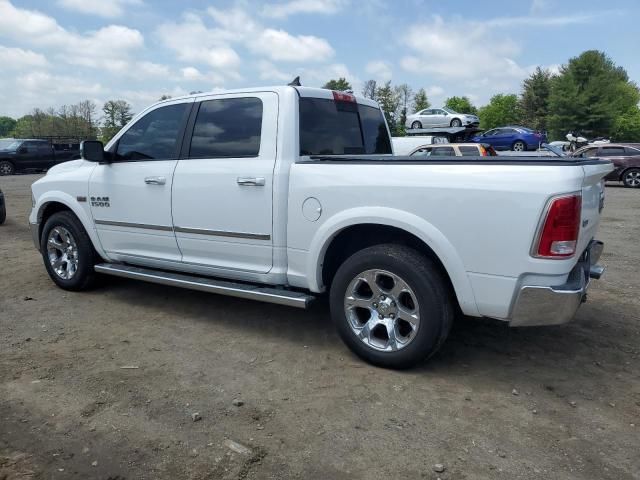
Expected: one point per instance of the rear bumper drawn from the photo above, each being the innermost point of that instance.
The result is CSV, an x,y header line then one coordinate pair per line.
x,y
35,234
540,305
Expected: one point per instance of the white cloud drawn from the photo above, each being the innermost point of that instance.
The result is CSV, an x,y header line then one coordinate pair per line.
x,y
380,70
269,72
112,43
283,10
37,81
434,91
18,58
102,8
215,46
281,46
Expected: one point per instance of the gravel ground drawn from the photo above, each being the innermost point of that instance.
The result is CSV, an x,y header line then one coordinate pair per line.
x,y
277,395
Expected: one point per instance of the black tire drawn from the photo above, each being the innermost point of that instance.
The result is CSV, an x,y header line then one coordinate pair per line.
x,y
519,146
7,168
84,276
416,124
456,122
3,213
432,294
631,178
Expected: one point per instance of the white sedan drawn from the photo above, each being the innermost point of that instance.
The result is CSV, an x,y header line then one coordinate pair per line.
x,y
441,117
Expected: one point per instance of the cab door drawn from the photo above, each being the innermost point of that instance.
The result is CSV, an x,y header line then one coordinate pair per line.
x,y
130,197
223,187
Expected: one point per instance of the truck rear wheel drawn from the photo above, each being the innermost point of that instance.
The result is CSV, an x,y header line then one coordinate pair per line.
x,y
391,305
67,252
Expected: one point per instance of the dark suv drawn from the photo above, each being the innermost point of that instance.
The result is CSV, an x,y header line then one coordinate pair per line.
x,y
33,154
625,158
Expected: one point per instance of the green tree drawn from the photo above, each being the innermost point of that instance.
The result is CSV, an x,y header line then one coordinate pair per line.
x,y
7,124
589,94
501,110
534,99
164,96
420,100
389,101
627,126
339,85
117,113
461,105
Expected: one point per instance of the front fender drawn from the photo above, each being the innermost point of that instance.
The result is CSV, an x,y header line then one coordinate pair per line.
x,y
72,204
403,220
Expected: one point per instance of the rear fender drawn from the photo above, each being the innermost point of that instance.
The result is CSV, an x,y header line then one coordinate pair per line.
x,y
408,222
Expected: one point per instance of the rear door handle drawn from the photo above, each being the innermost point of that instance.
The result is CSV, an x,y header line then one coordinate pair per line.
x,y
251,181
155,180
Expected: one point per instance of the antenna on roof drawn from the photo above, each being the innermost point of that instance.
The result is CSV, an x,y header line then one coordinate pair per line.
x,y
295,82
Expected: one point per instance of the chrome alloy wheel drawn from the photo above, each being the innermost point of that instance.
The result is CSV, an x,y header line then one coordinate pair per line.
x,y
632,178
62,252
518,147
382,310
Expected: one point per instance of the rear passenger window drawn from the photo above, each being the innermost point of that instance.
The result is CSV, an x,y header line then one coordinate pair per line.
x,y
445,151
612,151
469,151
154,136
228,127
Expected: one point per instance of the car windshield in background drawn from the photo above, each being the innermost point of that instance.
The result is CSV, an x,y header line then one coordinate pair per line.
x,y
553,149
330,127
448,110
9,144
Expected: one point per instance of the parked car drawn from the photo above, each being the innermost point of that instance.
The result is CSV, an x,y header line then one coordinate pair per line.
x,y
3,208
625,158
455,150
405,145
518,139
32,154
441,117
279,194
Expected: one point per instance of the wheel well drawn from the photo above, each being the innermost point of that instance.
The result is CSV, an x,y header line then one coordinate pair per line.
x,y
357,237
49,209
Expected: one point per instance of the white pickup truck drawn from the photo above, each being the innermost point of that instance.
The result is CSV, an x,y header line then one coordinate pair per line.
x,y
280,194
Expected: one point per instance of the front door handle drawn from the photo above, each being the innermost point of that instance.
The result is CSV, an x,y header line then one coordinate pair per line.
x,y
155,180
251,181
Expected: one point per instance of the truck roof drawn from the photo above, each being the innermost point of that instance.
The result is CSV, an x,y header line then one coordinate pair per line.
x,y
302,91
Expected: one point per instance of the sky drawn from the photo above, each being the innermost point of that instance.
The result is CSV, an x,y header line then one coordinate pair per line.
x,y
58,52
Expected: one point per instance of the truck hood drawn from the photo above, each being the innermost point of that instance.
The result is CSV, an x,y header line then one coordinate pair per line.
x,y
65,167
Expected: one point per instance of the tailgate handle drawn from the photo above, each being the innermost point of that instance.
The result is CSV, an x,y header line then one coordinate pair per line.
x,y
251,181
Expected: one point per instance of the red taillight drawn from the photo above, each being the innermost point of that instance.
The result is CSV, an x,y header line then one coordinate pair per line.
x,y
343,97
559,234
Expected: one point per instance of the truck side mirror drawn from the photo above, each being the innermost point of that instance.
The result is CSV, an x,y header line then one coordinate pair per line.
x,y
92,150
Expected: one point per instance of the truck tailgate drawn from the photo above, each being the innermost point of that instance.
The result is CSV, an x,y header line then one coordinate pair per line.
x,y
593,193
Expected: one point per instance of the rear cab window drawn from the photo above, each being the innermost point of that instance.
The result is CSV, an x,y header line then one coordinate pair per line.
x,y
337,127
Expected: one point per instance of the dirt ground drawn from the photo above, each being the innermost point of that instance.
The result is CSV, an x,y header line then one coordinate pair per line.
x,y
553,402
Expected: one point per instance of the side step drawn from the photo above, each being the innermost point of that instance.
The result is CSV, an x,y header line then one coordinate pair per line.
x,y
206,284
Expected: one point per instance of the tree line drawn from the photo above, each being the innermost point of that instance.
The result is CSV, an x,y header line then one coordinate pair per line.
x,y
590,94
77,121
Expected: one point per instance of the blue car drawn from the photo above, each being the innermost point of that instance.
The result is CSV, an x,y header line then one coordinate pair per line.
x,y
518,139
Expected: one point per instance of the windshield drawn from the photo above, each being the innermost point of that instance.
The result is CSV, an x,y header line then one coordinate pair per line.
x,y
9,144
552,148
448,110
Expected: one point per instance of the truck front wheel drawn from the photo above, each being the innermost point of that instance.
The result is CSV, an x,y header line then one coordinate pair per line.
x,y
391,305
67,252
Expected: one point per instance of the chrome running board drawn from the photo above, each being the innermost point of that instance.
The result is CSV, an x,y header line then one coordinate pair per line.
x,y
206,284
